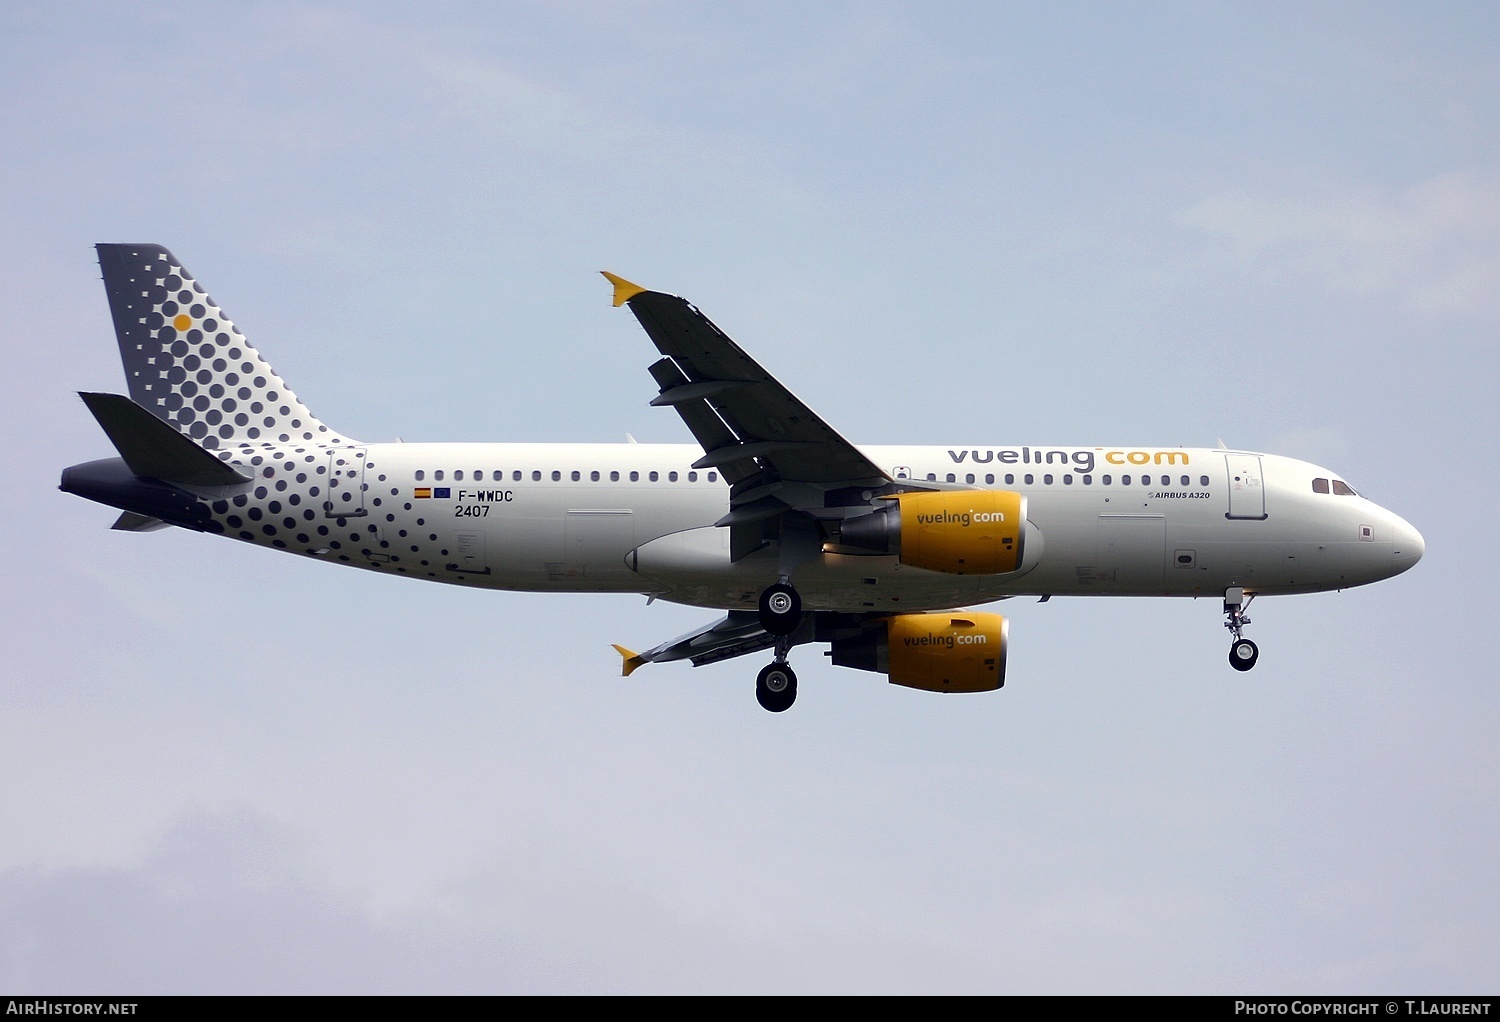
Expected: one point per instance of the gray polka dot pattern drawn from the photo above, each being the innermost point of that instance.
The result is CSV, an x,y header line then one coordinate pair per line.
x,y
186,363
189,365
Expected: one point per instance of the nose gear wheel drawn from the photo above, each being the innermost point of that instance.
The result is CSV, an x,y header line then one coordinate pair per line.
x,y
1242,652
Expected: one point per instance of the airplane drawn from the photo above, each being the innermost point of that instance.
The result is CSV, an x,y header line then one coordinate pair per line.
x,y
797,535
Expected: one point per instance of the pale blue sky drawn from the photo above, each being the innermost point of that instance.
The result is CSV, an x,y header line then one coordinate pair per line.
x,y
1278,224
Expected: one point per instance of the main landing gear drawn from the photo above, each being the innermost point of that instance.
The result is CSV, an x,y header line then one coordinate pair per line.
x,y
780,614
1242,652
776,686
780,609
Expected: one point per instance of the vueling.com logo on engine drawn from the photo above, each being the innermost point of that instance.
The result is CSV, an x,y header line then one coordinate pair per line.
x,y
950,640
964,518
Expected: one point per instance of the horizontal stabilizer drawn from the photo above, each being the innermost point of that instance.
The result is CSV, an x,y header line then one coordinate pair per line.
x,y
129,521
153,449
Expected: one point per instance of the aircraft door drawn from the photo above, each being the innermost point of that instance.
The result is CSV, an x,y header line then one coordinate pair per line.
x,y
346,483
1247,494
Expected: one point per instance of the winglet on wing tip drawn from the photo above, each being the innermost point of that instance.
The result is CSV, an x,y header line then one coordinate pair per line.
x,y
624,289
632,660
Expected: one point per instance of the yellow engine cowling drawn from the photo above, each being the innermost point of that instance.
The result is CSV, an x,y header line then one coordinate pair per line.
x,y
961,532
959,651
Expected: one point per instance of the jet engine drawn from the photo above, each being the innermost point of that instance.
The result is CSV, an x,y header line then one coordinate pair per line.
x,y
954,652
962,532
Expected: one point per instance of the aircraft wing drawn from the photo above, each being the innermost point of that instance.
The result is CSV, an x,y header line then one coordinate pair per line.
x,y
735,634
745,419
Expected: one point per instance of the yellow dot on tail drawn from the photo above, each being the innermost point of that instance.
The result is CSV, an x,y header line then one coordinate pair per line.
x,y
183,321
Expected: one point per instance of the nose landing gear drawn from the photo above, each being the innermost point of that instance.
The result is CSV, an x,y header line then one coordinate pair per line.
x,y
1242,652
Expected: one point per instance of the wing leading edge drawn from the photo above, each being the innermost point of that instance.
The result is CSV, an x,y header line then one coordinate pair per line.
x,y
761,420
778,456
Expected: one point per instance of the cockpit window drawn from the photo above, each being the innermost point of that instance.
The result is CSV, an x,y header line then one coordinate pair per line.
x,y
1343,489
1320,485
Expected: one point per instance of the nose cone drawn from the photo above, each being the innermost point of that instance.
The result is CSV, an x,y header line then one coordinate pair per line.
x,y
1408,547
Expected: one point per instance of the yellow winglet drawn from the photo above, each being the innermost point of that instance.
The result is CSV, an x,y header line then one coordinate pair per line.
x,y
624,292
632,658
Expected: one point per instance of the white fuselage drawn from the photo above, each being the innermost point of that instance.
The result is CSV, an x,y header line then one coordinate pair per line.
x,y
636,518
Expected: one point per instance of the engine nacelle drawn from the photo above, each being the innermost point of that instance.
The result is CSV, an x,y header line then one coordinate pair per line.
x,y
961,532
955,652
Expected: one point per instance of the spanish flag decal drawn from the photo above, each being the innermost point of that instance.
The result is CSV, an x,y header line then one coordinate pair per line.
x,y
422,491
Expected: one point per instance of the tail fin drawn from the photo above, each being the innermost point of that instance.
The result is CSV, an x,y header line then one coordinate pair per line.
x,y
188,365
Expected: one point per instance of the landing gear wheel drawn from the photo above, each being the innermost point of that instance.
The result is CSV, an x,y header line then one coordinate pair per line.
x,y
776,687
780,609
1242,654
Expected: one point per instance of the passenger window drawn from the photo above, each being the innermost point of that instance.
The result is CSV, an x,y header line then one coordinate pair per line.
x,y
932,477
1010,479
1124,480
516,475
1088,480
421,475
458,476
593,477
438,475
536,476
969,478
671,477
1320,485
635,477
951,478
1067,480
1030,478
1187,480
713,477
692,477
1203,480
576,476
1343,489
556,475
1106,480
989,478
1047,478
614,477
499,475
654,477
